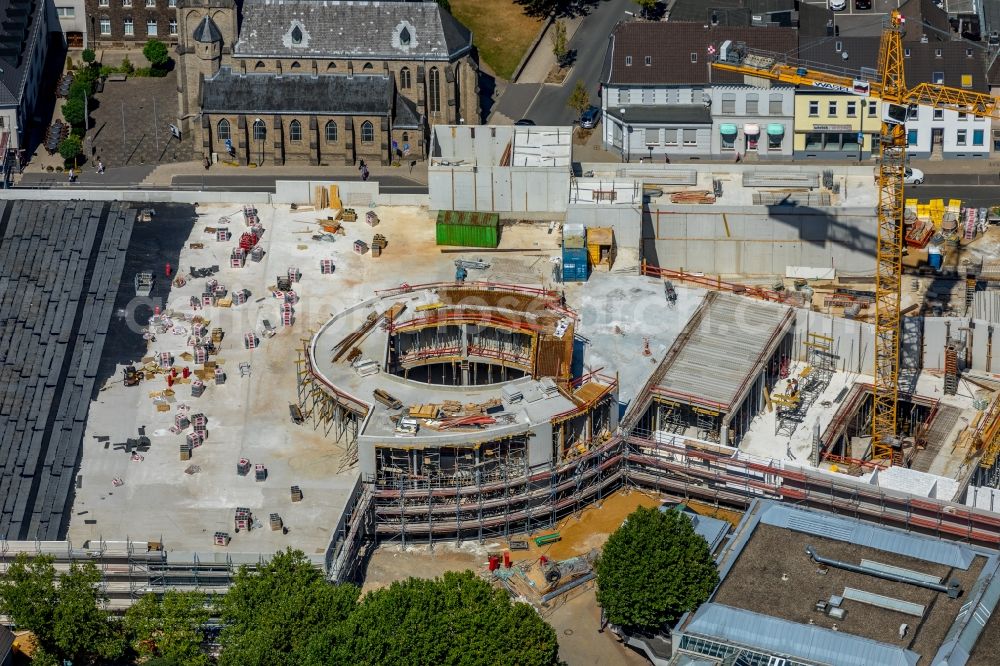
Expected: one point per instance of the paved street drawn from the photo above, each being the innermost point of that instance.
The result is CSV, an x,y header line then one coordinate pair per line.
x,y
546,103
387,184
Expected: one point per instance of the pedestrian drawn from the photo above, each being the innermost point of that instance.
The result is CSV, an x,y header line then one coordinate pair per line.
x,y
362,166
72,175
364,173
206,163
100,167
666,158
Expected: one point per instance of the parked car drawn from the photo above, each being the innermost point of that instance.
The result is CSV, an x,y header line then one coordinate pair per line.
x,y
525,122
590,117
862,4
910,176
837,5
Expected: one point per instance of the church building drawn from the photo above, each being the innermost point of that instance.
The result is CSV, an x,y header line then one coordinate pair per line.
x,y
321,82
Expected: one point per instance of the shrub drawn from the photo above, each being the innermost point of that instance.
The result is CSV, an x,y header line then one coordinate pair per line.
x,y
89,56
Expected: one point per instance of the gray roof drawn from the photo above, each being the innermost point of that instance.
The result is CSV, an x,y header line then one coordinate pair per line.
x,y
332,94
664,114
6,642
336,29
888,539
20,32
207,32
785,638
728,334
712,530
965,632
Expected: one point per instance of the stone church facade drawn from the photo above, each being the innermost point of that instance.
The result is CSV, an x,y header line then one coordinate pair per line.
x,y
321,83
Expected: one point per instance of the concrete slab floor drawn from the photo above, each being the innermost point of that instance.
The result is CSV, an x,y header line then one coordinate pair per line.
x,y
183,503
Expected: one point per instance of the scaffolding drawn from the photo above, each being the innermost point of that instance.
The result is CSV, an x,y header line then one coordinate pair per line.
x,y
804,390
328,408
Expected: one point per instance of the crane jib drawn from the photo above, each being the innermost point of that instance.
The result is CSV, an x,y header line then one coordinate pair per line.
x,y
857,88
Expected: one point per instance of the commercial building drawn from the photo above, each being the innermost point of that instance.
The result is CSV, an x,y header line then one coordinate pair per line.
x,y
661,96
302,82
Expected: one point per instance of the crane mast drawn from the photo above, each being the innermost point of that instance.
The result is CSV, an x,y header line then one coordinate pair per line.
x,y
889,84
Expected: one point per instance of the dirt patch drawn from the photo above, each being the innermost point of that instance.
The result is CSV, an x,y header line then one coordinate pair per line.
x,y
500,30
557,74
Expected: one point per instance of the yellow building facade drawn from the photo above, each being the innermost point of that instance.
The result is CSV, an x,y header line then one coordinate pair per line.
x,y
829,124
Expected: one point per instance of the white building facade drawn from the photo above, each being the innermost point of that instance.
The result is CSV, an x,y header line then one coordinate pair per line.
x,y
949,134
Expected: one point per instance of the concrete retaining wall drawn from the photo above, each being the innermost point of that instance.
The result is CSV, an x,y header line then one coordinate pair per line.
x,y
140,196
499,189
625,220
759,240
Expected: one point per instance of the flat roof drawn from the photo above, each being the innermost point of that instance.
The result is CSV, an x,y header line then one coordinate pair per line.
x,y
720,348
457,146
770,585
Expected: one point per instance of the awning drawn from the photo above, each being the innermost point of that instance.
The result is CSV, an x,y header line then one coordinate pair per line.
x,y
728,129
775,129
751,130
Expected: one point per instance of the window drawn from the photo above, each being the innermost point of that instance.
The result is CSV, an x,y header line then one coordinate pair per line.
x,y
150,3
296,35
937,77
752,104
652,136
404,78
172,26
295,131
831,109
129,27
103,3
367,132
907,53
852,109
406,137
296,65
911,137
872,108
690,137
66,12
259,65
623,96
259,130
938,114
404,36
649,60
331,132
813,109
670,137
367,67
966,80
774,105
628,61
331,66
435,90
977,137
171,3
151,28
694,56
126,3
105,26
728,141
937,53
962,114
728,104
961,137
222,130
913,112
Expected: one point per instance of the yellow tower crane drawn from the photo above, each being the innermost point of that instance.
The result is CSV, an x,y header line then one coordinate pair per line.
x,y
889,85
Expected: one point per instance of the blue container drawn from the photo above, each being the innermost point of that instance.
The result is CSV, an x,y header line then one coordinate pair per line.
x,y
575,264
935,260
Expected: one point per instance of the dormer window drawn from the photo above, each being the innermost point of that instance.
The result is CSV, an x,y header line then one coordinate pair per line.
x,y
404,37
628,61
907,53
937,53
296,35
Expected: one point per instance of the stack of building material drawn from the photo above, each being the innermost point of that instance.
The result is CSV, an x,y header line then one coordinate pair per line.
x,y
693,197
511,394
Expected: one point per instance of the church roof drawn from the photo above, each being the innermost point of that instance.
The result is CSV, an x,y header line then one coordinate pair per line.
x,y
207,32
344,29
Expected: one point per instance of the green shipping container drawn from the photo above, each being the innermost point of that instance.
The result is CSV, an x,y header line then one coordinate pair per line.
x,y
468,229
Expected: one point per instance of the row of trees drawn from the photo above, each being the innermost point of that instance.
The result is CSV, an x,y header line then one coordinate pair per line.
x,y
283,614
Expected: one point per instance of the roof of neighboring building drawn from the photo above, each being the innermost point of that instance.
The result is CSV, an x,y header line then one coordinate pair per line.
x,y
919,12
671,48
712,530
229,92
6,642
674,114
770,585
20,31
207,32
728,12
377,30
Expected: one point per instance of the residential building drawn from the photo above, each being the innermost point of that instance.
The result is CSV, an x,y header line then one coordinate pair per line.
x,y
23,46
128,23
298,81
71,18
6,646
828,125
662,98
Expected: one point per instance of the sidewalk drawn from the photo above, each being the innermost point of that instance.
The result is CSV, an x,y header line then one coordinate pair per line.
x,y
163,175
537,69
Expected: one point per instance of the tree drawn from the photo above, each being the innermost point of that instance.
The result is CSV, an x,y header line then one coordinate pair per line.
x,y
74,110
61,610
445,5
70,148
580,98
459,618
559,48
653,569
648,7
270,615
89,56
169,629
156,53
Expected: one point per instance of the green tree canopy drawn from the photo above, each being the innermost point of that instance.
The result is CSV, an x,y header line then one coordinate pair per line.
x,y
559,43
580,98
70,148
647,6
170,628
61,609
445,5
74,111
89,56
653,569
457,619
269,615
156,53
